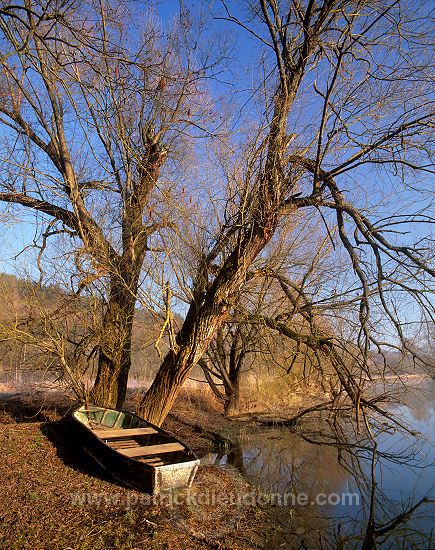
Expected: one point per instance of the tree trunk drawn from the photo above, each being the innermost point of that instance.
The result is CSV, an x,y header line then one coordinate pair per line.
x,y
198,329
203,321
174,370
205,317
232,388
114,359
231,406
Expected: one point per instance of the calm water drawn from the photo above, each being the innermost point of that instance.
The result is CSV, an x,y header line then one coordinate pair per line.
x,y
279,461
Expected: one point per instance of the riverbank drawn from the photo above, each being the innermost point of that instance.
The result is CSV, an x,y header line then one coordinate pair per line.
x,y
52,496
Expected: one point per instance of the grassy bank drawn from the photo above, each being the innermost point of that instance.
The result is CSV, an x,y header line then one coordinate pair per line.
x,y
52,496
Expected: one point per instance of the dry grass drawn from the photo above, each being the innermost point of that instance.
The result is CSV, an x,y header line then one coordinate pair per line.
x,y
278,393
43,474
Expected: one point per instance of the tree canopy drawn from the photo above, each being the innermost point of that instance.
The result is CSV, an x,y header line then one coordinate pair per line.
x,y
190,174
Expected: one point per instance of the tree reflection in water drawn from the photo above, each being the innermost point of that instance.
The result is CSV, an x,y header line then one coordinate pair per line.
x,y
389,469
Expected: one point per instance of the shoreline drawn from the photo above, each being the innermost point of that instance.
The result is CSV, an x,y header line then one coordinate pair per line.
x,y
52,496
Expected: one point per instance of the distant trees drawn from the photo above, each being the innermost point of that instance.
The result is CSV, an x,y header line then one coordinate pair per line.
x,y
47,332
43,330
99,123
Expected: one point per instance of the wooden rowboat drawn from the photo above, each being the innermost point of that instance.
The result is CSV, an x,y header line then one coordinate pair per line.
x,y
132,450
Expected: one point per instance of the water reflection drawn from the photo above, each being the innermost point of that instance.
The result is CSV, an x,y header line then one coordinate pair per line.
x,y
278,460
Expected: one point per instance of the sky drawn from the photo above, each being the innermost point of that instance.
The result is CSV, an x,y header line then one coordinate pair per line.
x,y
16,235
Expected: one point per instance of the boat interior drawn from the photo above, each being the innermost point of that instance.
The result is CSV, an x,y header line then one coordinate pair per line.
x,y
133,436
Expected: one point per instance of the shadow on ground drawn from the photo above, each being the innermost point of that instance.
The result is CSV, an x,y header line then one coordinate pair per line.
x,y
50,411
34,406
70,452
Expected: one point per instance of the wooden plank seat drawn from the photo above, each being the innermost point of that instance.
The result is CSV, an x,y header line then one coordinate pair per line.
x,y
121,443
151,460
126,432
152,449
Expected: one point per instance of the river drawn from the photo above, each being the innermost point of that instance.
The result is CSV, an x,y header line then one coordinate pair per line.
x,y
330,503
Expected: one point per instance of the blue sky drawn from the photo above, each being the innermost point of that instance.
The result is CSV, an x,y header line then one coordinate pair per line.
x,y
15,235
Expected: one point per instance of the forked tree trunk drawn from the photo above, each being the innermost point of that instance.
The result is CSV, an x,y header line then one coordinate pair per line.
x,y
198,329
114,359
236,359
230,398
227,355
203,320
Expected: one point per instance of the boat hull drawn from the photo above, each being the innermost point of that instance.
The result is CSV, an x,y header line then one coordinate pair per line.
x,y
132,472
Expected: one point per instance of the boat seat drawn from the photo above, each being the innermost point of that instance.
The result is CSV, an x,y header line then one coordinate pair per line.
x,y
123,443
152,449
126,432
154,464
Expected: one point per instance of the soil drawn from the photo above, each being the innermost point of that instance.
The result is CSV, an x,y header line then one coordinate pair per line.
x,y
53,496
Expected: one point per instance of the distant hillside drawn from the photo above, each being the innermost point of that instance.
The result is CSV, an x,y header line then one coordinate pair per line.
x,y
27,306
399,364
24,303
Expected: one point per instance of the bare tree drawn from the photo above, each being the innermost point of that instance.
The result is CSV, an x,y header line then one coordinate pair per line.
x,y
364,115
269,336
91,110
342,133
225,361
